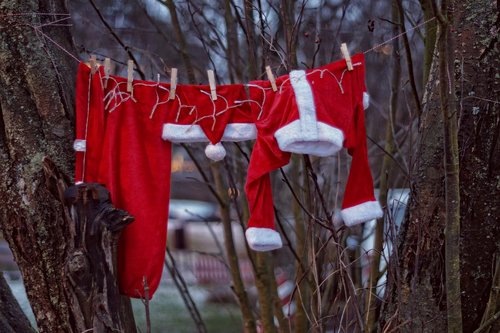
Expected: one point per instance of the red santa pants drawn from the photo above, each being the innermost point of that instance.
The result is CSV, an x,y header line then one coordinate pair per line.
x,y
119,144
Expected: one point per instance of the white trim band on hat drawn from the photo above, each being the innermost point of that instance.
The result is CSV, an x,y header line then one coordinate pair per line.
x,y
327,142
361,213
263,239
80,145
194,133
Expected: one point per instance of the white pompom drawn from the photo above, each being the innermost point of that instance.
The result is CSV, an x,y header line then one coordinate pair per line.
x,y
215,152
366,100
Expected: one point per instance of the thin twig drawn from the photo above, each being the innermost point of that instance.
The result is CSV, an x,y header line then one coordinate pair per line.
x,y
184,291
409,60
118,39
145,301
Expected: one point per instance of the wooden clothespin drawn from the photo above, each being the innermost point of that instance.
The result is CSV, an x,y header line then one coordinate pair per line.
x,y
346,55
107,71
270,77
211,82
93,64
173,83
130,75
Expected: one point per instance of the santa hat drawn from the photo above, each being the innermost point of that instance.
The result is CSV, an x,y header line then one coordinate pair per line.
x,y
194,116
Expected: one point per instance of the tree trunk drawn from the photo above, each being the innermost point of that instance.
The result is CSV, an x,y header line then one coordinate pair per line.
x,y
430,38
232,258
36,105
12,317
181,40
371,297
90,268
451,166
415,294
477,63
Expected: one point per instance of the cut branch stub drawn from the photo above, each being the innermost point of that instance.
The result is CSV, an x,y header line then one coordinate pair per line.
x,y
91,265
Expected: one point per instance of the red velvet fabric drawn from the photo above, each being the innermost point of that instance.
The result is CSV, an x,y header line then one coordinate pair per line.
x,y
89,122
193,105
125,152
338,100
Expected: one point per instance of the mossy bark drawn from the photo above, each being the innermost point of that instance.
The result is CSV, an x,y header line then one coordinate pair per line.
x,y
36,108
416,295
36,126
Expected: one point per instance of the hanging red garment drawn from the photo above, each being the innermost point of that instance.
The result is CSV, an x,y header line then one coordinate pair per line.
x,y
194,117
318,112
119,144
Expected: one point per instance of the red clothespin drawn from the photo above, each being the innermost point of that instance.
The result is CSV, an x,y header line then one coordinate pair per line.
x,y
130,75
211,82
173,83
93,64
107,71
270,77
346,55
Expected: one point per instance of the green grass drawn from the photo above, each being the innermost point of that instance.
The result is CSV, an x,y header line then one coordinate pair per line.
x,y
169,314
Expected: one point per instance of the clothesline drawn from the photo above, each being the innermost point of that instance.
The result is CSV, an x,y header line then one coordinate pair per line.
x,y
35,13
37,29
399,35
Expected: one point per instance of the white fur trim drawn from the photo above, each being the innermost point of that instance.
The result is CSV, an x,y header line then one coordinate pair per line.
x,y
215,152
263,239
329,140
363,212
183,133
305,104
366,100
239,132
80,145
194,133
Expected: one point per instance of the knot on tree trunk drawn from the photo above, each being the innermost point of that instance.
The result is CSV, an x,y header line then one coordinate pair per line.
x,y
95,226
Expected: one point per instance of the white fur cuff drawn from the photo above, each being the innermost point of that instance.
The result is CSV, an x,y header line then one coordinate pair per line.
x,y
366,100
80,145
364,212
263,239
326,142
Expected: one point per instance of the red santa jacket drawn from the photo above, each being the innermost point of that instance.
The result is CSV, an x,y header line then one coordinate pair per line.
x,y
315,112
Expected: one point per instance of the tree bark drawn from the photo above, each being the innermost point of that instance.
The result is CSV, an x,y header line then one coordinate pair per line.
x,y
451,166
90,268
477,59
36,107
371,298
250,36
430,38
36,133
415,294
181,39
232,258
490,322
12,317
